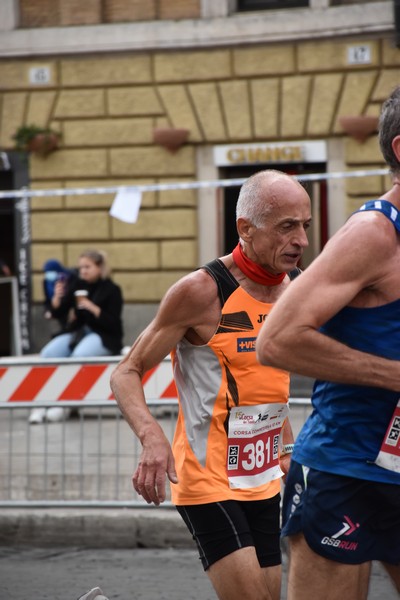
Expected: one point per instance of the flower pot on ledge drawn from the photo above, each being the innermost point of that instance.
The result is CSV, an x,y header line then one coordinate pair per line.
x,y
170,138
359,127
30,138
43,143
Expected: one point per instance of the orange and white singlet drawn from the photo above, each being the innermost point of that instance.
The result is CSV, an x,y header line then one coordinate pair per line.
x,y
231,407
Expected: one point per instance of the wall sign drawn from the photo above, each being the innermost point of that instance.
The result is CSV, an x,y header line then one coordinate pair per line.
x,y
39,75
359,55
285,152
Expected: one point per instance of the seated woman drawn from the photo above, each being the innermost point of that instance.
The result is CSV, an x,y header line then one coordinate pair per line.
x,y
92,306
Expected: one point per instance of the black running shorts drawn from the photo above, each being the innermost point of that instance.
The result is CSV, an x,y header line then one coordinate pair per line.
x,y
220,528
344,519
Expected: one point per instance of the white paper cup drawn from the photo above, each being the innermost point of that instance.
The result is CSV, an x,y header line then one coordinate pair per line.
x,y
80,294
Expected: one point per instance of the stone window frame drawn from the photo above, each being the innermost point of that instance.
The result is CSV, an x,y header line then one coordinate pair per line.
x,y
9,10
218,26
225,8
245,5
273,4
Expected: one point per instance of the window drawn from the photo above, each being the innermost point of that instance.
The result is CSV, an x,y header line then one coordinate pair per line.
x,y
244,5
343,2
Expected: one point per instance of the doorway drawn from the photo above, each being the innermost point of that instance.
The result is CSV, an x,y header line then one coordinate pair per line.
x,y
15,252
7,248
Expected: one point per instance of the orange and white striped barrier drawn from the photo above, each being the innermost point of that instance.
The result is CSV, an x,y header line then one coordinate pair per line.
x,y
53,380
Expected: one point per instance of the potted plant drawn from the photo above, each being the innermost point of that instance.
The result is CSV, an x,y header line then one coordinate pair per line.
x,y
31,138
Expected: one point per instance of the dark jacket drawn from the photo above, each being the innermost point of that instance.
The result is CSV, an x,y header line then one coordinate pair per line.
x,y
105,294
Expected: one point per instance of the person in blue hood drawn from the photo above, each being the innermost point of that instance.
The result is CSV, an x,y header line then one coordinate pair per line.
x,y
53,272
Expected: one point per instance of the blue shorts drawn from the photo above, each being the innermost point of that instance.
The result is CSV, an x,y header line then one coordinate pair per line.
x,y
344,519
220,528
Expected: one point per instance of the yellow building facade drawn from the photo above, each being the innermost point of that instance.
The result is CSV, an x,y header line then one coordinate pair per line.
x,y
216,77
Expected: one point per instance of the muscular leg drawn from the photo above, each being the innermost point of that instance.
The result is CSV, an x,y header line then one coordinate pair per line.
x,y
312,576
394,572
238,576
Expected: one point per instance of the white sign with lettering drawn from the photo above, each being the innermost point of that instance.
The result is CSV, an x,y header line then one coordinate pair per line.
x,y
359,55
282,152
39,75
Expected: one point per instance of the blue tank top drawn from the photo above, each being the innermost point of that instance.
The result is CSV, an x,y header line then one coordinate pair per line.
x,y
344,433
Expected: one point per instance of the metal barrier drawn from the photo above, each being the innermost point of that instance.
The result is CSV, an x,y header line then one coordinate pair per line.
x,y
88,459
84,460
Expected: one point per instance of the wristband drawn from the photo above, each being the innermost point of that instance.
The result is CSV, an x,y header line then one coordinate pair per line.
x,y
287,449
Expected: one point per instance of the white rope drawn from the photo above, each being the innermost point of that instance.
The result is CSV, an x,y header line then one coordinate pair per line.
x,y
162,187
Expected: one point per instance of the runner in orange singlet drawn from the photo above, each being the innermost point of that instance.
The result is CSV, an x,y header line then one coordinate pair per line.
x,y
233,439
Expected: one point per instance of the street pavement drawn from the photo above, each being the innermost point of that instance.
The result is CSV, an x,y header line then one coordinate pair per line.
x,y
65,573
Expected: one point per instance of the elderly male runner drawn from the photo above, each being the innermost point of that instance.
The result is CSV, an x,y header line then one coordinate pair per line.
x,y
342,498
227,450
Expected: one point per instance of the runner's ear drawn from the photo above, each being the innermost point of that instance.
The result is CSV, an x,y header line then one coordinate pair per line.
x,y
396,146
244,228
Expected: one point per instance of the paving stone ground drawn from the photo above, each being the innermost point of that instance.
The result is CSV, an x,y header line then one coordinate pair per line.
x,y
124,574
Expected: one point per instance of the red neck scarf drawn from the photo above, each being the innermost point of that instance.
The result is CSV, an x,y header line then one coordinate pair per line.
x,y
253,271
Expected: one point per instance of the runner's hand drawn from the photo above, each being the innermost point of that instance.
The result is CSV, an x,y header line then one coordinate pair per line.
x,y
155,464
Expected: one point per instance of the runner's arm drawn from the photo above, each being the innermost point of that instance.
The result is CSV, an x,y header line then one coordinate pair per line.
x,y
183,308
354,260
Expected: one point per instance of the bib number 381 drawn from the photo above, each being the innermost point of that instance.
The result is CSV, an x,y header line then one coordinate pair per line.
x,y
253,442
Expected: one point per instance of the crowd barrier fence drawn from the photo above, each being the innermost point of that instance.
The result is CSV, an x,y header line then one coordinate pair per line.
x,y
87,459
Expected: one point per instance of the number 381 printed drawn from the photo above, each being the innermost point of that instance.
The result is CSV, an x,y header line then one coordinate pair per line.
x,y
259,454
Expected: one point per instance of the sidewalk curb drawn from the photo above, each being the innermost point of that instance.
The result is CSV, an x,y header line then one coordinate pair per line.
x,y
94,528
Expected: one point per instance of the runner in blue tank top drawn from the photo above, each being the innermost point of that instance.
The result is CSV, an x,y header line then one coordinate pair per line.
x,y
341,507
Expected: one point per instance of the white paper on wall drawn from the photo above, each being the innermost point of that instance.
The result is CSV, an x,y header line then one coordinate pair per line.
x,y
126,205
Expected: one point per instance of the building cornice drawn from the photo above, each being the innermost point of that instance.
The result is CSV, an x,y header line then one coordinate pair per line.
x,y
238,29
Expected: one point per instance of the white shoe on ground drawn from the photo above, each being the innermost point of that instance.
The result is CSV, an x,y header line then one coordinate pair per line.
x,y
57,413
94,594
37,415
